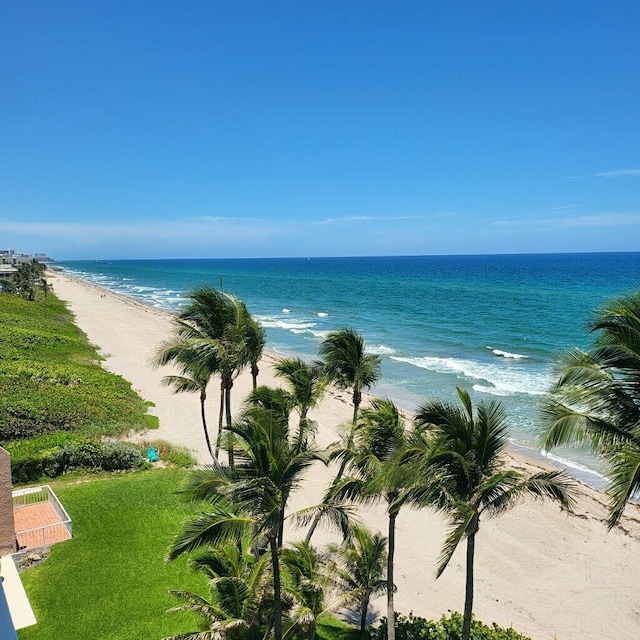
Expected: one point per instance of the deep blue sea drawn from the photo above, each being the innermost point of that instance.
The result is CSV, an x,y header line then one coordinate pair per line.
x,y
492,324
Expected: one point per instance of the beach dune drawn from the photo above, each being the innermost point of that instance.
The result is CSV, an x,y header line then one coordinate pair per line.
x,y
547,573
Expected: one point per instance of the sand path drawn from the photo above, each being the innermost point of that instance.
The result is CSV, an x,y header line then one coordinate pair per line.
x,y
547,573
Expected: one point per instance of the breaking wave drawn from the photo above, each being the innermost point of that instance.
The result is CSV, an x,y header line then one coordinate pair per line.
x,y
500,379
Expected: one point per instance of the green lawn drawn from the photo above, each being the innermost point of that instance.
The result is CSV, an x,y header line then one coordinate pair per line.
x,y
111,581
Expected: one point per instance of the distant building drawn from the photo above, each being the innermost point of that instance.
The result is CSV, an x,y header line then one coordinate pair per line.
x,y
6,271
10,257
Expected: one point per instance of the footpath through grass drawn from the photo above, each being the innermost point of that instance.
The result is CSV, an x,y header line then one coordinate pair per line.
x,y
111,581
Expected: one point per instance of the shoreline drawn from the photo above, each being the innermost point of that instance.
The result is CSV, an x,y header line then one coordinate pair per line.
x,y
531,456
539,570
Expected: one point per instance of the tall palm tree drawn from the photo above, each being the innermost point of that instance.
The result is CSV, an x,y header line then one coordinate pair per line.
x,y
596,399
218,323
236,607
348,365
463,474
371,461
196,372
359,569
307,384
251,495
255,341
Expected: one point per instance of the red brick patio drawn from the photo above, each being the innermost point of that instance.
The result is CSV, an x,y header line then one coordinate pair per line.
x,y
38,525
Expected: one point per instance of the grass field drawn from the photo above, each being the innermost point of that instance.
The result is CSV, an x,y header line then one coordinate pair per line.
x,y
111,581
52,380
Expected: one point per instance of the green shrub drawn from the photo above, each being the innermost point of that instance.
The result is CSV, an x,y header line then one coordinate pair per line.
x,y
170,453
415,628
80,455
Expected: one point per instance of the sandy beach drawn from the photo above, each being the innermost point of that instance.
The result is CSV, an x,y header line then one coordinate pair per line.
x,y
547,573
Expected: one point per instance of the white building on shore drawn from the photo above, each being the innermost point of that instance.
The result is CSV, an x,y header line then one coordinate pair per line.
x,y
10,260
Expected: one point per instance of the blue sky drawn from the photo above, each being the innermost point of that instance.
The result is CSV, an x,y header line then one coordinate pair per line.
x,y
135,129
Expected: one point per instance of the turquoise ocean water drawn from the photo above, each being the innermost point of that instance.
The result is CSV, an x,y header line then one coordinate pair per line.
x,y
492,324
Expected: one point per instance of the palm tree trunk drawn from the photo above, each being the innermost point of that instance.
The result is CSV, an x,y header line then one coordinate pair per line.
x,y
316,520
220,419
254,375
203,397
277,605
363,614
227,408
343,466
357,399
391,545
468,599
281,529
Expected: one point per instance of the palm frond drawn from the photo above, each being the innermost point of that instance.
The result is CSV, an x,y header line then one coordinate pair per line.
x,y
209,529
463,519
625,480
335,516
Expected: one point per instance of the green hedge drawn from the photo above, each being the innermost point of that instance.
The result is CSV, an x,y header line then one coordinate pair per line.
x,y
82,455
415,628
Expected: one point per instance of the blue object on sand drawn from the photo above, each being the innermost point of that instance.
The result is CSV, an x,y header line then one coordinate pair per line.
x,y
153,454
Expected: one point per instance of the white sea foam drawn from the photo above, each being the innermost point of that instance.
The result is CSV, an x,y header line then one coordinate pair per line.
x,y
380,350
575,466
291,325
140,289
506,354
286,311
504,379
322,314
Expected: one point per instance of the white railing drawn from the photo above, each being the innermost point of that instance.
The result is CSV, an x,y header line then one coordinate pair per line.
x,y
46,534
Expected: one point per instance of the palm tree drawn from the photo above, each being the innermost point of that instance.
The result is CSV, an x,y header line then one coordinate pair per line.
x,y
218,323
377,441
307,384
196,372
306,581
26,276
236,608
255,341
45,286
278,401
463,475
348,365
596,399
252,495
359,569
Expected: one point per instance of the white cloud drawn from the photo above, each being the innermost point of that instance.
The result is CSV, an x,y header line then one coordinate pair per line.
x,y
600,220
389,218
619,172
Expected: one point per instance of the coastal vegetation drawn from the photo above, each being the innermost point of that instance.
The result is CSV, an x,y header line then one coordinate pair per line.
x,y
214,334
460,471
596,399
28,281
55,393
450,460
244,577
